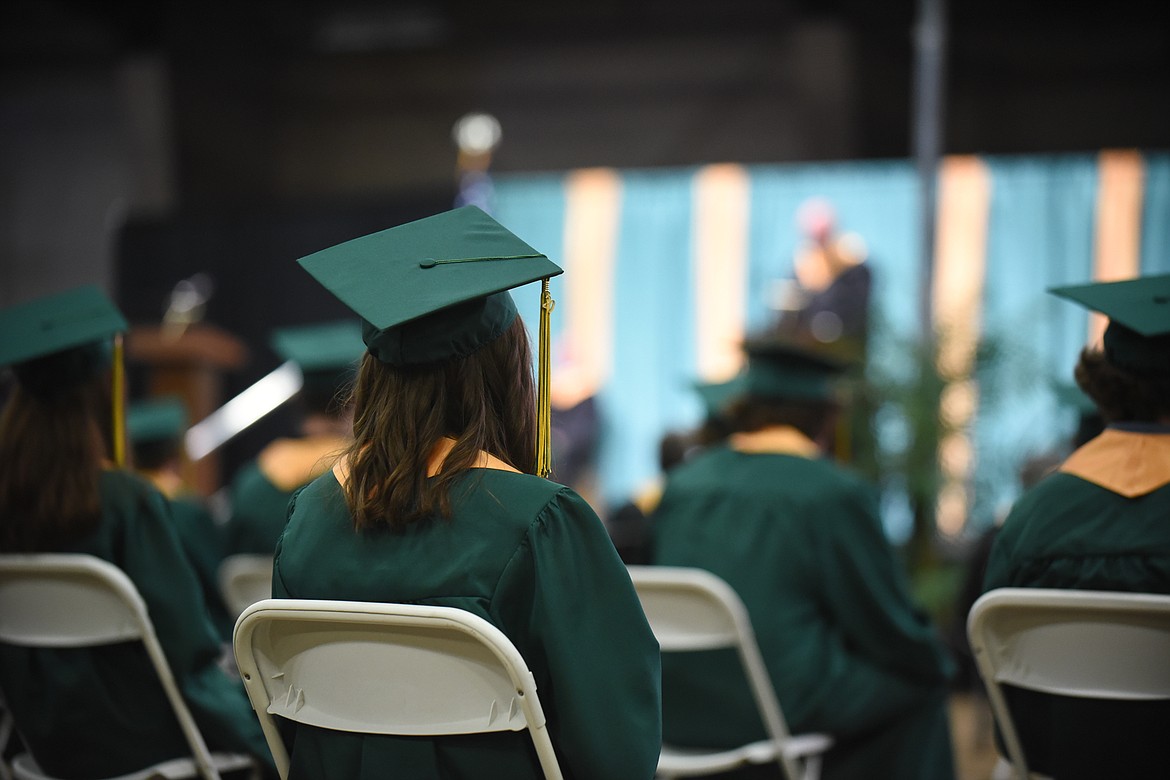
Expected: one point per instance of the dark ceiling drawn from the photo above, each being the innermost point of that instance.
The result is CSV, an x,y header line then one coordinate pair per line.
x,y
584,80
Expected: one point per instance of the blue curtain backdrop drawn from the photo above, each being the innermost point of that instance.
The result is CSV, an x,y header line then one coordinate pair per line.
x,y
1156,215
1040,234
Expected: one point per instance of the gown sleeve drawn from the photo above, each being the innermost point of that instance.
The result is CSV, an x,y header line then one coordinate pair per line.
x,y
870,597
567,601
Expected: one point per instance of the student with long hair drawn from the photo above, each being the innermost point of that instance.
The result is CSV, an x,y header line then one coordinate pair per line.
x,y
438,502
98,712
1101,521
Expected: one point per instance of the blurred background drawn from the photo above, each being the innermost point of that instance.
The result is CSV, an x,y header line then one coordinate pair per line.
x,y
183,155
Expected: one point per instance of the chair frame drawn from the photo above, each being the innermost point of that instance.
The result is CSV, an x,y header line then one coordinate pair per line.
x,y
280,676
714,617
94,603
1068,642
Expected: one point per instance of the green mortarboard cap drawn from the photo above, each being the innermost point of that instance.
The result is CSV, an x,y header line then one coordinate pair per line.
x,y
432,289
328,347
156,419
782,370
717,395
58,340
1138,336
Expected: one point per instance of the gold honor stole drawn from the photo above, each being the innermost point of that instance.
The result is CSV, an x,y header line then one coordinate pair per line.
x,y
1124,462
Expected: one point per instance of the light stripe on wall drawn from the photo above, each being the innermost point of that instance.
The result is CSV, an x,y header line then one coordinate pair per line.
x,y
592,206
721,206
959,273
1117,244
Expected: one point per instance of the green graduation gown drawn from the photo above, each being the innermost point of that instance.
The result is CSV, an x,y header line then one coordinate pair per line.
x,y
261,489
1101,522
800,541
99,712
531,557
202,540
259,511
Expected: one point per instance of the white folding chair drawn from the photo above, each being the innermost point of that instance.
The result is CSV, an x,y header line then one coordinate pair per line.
x,y
1092,644
67,600
692,609
377,668
244,579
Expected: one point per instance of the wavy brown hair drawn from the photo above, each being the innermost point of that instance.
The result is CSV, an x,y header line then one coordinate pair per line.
x,y
486,402
1120,395
52,448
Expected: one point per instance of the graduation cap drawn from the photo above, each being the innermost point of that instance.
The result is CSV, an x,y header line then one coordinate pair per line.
x,y
326,353
436,289
1138,336
58,341
780,369
716,396
156,419
327,347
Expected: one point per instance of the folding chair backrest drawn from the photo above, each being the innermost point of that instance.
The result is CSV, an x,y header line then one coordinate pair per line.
x,y
378,668
1094,644
244,579
692,609
70,600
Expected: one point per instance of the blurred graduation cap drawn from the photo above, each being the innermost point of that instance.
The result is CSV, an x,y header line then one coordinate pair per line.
x,y
1138,336
781,369
156,419
436,289
318,359
58,341
717,396
326,353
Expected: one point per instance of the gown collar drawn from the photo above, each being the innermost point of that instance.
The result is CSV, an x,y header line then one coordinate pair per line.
x,y
1123,461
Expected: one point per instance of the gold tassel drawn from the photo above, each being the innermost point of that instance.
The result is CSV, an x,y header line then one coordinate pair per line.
x,y
119,416
543,387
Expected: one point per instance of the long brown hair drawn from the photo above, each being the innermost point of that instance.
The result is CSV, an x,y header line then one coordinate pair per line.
x,y
51,450
485,402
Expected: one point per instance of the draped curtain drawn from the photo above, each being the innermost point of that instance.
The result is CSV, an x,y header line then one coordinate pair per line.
x,y
1041,224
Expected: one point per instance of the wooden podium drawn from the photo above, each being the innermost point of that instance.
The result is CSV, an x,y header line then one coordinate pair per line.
x,y
189,363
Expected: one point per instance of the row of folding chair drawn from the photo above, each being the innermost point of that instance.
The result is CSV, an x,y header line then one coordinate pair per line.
x,y
454,673
451,672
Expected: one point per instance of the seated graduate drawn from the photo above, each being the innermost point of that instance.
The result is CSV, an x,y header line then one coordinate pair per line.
x,y
155,429
97,712
629,524
327,355
1101,522
800,540
440,501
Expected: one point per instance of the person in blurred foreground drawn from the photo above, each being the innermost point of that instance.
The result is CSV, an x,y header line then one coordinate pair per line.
x,y
326,355
99,712
1101,522
438,501
800,540
155,429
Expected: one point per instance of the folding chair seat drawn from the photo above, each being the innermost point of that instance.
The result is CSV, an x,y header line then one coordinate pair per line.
x,y
75,601
691,609
439,671
1102,645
